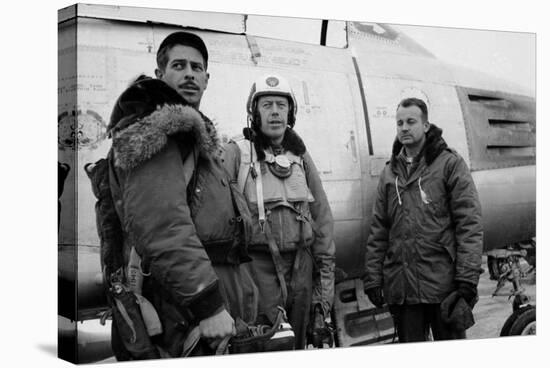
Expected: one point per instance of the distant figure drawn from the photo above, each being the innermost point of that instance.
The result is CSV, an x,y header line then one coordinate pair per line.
x,y
292,248
423,255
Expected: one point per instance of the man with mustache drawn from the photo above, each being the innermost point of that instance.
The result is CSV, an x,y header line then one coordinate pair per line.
x,y
423,254
182,61
292,246
176,208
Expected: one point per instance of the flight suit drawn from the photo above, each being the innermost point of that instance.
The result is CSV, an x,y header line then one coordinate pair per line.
x,y
299,220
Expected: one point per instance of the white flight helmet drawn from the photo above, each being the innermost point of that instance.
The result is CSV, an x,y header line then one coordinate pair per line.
x,y
271,84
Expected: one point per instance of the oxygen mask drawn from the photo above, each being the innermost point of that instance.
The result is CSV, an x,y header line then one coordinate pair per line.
x,y
280,166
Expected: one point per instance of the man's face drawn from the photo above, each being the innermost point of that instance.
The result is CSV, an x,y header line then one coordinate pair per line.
x,y
411,126
185,72
274,115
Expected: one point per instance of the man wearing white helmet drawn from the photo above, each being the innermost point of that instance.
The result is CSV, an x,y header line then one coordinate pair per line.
x,y
292,236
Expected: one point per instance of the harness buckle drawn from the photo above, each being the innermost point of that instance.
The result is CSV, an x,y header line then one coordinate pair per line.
x,y
253,172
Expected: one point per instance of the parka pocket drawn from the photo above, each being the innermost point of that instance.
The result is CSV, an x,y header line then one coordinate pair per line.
x,y
438,255
438,208
447,241
212,208
393,254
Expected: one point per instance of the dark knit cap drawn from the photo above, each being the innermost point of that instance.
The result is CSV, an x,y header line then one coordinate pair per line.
x,y
186,39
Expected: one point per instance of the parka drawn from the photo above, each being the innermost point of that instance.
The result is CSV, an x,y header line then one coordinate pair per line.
x,y
182,233
426,232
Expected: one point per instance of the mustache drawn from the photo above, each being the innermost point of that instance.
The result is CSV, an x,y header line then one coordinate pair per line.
x,y
191,85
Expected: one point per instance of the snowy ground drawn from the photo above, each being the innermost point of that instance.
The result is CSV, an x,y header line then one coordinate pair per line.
x,y
490,313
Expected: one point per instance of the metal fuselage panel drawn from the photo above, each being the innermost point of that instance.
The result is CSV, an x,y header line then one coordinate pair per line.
x,y
508,201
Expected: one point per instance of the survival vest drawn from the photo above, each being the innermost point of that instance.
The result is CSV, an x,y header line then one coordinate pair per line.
x,y
268,191
256,181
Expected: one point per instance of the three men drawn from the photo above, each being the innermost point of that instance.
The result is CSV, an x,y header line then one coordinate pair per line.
x,y
425,238
291,248
426,234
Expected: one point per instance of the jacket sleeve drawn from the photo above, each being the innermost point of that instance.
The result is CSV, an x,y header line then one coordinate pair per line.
x,y
378,241
323,248
158,218
466,215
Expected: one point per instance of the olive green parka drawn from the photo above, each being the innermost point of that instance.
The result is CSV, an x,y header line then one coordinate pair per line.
x,y
426,232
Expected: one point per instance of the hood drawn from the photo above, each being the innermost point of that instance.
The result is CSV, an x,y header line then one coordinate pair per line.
x,y
434,145
144,138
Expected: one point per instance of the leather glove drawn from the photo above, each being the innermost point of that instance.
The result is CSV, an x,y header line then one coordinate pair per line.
x,y
375,296
467,291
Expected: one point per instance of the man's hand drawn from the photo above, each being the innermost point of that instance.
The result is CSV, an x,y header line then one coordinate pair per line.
x,y
219,325
375,296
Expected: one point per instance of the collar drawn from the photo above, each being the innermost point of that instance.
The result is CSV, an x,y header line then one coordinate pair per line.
x,y
148,135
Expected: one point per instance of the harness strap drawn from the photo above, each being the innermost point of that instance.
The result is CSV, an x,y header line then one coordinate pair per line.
x,y
299,259
246,164
223,345
241,178
254,166
127,319
260,196
303,218
277,261
191,341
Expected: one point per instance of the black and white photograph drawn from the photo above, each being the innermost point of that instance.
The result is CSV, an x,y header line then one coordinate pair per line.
x,y
339,186
237,184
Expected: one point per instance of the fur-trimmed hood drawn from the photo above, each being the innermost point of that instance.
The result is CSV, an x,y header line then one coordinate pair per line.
x,y
291,142
147,136
433,146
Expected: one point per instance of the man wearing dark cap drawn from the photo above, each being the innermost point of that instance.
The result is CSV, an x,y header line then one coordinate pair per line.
x,y
176,208
182,61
